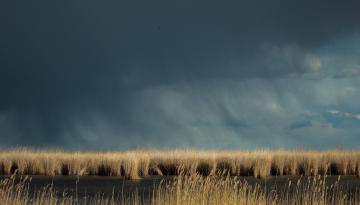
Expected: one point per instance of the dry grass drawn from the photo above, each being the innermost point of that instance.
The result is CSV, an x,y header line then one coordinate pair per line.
x,y
138,163
196,190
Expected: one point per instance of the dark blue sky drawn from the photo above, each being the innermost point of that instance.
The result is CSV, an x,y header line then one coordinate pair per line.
x,y
209,74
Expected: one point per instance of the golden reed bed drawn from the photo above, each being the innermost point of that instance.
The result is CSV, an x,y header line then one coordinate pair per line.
x,y
139,163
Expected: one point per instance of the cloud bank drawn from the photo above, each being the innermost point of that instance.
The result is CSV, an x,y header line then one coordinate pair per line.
x,y
134,74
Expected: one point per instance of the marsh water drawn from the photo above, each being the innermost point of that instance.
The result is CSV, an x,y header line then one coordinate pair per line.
x,y
87,187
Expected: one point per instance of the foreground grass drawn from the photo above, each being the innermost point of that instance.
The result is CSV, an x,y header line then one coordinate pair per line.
x,y
135,164
194,190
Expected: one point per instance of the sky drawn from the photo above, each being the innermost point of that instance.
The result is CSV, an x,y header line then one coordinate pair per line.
x,y
125,74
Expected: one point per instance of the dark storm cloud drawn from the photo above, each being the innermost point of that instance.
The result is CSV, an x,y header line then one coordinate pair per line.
x,y
75,69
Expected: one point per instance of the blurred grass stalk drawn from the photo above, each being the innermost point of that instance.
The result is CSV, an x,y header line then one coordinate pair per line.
x,y
193,190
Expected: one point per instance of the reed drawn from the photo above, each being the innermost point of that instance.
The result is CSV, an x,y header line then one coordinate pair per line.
x,y
194,190
140,163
